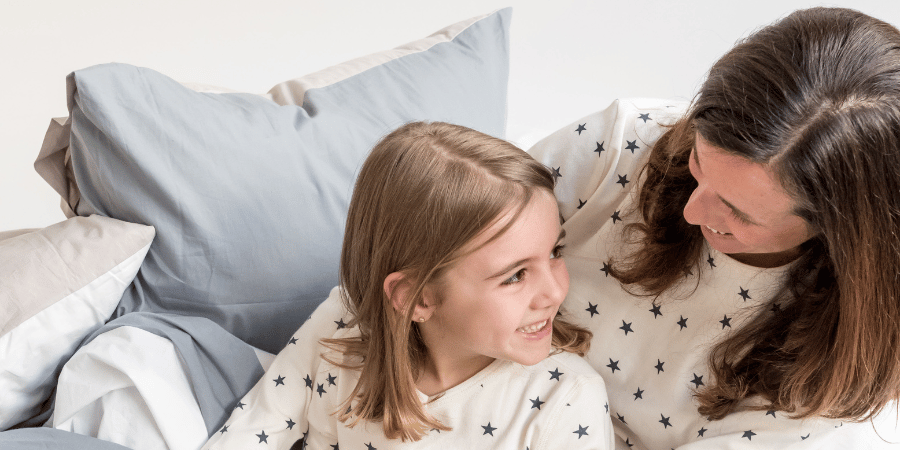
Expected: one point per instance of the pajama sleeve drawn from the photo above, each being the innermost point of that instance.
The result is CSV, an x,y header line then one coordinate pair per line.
x,y
582,421
274,411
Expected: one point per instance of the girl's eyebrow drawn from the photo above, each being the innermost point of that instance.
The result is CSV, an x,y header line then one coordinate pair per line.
x,y
737,212
510,267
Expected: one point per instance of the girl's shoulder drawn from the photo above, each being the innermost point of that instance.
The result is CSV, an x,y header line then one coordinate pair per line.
x,y
562,370
571,363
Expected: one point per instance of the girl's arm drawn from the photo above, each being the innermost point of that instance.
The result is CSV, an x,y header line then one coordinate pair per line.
x,y
274,412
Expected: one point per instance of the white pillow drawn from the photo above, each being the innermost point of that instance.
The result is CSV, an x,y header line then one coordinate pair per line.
x,y
57,285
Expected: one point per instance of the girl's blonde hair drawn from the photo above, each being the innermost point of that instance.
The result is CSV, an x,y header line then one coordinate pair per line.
x,y
425,191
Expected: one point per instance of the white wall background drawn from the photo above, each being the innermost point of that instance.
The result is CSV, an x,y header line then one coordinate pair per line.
x,y
569,57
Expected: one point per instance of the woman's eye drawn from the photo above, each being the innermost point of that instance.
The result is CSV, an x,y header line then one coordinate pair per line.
x,y
517,277
740,218
557,252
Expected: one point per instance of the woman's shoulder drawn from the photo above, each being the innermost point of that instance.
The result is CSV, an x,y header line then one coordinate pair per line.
x,y
598,158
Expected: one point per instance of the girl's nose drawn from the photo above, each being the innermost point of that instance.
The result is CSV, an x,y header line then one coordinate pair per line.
x,y
555,286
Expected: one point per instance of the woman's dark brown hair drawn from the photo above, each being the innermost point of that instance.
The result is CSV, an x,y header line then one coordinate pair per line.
x,y
816,98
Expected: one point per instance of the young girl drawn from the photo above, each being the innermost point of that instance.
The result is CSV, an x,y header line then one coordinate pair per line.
x,y
445,330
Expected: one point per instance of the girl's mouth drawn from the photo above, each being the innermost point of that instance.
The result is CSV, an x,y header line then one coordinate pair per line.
x,y
533,328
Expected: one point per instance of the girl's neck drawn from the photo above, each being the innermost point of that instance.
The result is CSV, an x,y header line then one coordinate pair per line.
x,y
439,374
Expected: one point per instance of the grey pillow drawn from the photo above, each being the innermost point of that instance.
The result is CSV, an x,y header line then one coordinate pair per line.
x,y
249,196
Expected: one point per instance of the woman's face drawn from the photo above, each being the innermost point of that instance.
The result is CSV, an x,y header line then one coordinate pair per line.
x,y
742,209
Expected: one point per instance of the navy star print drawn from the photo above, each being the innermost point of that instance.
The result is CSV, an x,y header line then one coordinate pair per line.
x,y
639,394
632,145
592,308
644,117
263,437
749,435
656,310
615,217
331,380
659,366
726,322
698,380
581,431
321,390
626,327
682,323
581,128
745,294
623,180
536,403
279,381
605,269
340,323
308,381
614,365
600,148
665,421
488,429
555,374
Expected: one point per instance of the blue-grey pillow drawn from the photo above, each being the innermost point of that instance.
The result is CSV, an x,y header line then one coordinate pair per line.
x,y
248,193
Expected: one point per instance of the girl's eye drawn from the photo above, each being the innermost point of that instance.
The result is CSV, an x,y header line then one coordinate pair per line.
x,y
516,278
557,252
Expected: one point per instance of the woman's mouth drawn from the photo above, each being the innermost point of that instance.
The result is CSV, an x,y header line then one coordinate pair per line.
x,y
716,231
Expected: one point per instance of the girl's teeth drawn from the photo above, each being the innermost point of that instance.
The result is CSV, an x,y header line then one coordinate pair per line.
x,y
532,328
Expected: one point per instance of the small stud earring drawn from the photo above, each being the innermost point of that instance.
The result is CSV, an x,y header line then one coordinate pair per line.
x,y
421,319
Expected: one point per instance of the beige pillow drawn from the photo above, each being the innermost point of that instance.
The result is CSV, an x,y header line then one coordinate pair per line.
x,y
58,284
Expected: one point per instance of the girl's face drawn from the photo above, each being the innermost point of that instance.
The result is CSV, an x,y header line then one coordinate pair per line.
x,y
742,209
500,301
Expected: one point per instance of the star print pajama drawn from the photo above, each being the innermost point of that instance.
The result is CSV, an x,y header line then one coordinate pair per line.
x,y
558,403
653,354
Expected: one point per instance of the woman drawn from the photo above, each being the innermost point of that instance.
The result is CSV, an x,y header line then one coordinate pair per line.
x,y
746,293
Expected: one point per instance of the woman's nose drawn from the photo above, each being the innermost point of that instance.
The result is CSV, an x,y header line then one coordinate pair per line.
x,y
696,211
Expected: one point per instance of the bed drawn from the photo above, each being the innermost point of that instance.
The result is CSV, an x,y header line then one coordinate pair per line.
x,y
203,226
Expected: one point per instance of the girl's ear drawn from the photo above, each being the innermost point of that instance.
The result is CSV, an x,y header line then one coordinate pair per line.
x,y
398,288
